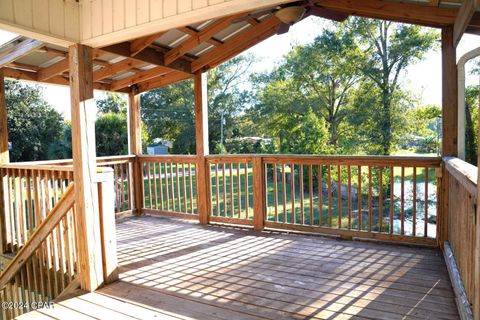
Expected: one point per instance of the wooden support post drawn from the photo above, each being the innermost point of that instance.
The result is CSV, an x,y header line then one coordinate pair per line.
x,y
5,236
476,298
84,163
202,147
106,198
259,193
135,147
449,96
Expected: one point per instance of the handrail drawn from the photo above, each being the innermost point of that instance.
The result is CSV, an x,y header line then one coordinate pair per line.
x,y
36,167
44,229
464,172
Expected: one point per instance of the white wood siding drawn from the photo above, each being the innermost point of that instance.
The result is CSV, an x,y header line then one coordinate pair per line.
x,y
110,21
54,21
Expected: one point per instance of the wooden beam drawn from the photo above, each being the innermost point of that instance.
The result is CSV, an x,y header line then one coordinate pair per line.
x,y
202,147
135,147
22,49
192,32
163,80
53,70
449,94
476,276
141,76
147,55
394,11
84,163
233,44
199,37
462,21
136,46
116,68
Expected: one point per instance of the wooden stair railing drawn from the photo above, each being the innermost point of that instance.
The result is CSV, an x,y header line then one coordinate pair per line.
x,y
46,265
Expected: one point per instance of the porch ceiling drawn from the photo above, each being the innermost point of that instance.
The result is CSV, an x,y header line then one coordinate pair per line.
x,y
167,57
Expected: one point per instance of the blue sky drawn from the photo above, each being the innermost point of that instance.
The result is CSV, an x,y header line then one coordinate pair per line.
x,y
423,78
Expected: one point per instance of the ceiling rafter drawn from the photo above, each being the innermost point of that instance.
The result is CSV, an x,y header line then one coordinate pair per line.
x,y
137,45
21,49
393,11
147,55
463,19
53,70
139,77
162,81
237,42
115,68
200,37
193,32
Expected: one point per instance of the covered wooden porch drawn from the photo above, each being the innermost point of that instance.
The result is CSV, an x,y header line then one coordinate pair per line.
x,y
178,269
58,217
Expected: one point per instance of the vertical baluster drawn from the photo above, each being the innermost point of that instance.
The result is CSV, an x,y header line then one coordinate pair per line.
x,y
178,188
425,218
360,214
320,195
329,188
160,182
129,191
155,184
23,209
48,239
339,197
11,205
122,188
217,191
292,191
302,213
149,183
191,184
310,192
349,197
369,199
247,191
167,187
29,202
232,204
402,205
284,194
172,186
380,200
239,192
392,199
184,176
117,189
224,189
414,218
18,219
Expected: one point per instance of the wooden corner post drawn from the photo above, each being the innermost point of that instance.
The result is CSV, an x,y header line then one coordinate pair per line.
x,y
5,236
476,298
135,147
449,94
202,148
84,164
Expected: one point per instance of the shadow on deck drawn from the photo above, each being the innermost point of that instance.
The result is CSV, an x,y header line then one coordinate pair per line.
x,y
172,269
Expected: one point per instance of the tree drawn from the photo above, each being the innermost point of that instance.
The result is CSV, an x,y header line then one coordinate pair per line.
x,y
112,103
321,77
471,123
32,123
111,134
388,49
169,113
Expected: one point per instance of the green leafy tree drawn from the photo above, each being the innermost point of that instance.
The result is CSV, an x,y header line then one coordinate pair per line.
x,y
32,123
471,123
389,48
111,134
112,103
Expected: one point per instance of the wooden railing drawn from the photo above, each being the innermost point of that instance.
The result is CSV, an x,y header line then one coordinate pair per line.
x,y
386,198
462,231
169,185
47,263
29,193
231,189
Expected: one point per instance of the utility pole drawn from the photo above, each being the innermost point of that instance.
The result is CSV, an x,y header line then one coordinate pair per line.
x,y
222,123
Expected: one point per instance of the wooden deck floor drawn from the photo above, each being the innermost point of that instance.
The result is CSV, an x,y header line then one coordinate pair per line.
x,y
173,269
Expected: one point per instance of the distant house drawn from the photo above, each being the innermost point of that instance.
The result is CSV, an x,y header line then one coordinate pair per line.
x,y
157,149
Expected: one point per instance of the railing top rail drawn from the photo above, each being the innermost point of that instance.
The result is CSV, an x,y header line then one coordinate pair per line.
x,y
168,157
32,166
337,159
70,161
464,172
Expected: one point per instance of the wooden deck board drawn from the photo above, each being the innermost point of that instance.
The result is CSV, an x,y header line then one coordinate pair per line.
x,y
172,269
